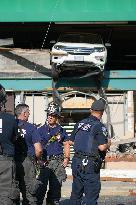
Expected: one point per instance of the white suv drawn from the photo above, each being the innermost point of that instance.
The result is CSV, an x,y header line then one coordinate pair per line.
x,y
83,52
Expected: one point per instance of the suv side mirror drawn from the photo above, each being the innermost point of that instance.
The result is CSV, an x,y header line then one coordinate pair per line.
x,y
108,44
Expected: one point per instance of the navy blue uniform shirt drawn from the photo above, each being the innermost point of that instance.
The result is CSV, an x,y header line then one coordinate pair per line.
x,y
31,135
87,129
55,147
8,133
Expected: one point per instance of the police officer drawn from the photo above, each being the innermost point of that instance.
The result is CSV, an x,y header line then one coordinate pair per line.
x,y
9,191
90,139
54,138
28,151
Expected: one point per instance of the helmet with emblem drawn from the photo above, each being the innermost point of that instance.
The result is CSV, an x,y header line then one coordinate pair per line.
x,y
53,109
3,96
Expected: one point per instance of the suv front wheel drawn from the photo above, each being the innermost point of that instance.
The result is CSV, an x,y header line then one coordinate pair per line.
x,y
55,72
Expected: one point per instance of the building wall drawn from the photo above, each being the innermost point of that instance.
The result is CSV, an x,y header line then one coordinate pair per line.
x,y
37,109
10,103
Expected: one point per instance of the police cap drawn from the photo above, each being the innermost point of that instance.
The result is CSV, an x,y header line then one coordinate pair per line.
x,y
2,95
98,105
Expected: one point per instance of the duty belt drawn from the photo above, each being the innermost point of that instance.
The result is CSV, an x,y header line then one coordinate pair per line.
x,y
82,155
6,157
52,157
85,157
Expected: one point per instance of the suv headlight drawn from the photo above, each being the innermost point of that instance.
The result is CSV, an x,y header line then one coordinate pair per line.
x,y
59,47
99,49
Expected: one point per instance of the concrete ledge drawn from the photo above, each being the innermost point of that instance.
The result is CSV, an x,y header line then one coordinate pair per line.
x,y
111,179
131,165
125,175
118,179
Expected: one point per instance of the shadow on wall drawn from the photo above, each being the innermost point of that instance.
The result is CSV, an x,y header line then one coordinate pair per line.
x,y
26,63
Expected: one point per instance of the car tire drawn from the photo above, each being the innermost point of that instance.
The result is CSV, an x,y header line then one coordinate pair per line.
x,y
50,59
55,72
101,75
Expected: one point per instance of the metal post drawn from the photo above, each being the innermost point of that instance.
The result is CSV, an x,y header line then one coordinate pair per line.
x,y
22,98
130,111
125,112
19,98
102,94
33,108
46,102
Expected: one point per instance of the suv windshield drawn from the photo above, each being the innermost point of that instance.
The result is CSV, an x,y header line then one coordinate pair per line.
x,y
81,38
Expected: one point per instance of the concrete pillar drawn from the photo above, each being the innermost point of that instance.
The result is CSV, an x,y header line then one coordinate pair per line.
x,y
19,98
46,102
130,113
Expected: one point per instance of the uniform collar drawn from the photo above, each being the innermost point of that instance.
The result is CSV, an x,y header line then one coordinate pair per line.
x,y
94,118
21,121
55,125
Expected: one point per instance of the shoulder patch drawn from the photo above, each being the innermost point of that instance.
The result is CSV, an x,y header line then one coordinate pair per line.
x,y
80,125
84,126
104,131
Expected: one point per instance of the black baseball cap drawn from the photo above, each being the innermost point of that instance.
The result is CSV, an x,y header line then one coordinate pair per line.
x,y
98,105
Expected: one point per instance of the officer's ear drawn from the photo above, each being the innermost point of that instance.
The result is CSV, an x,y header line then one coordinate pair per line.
x,y
25,114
